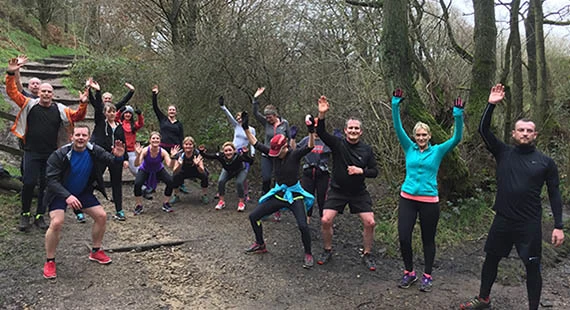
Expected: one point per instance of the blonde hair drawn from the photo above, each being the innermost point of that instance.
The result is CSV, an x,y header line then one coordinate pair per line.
x,y
189,139
154,133
107,94
424,126
109,107
229,143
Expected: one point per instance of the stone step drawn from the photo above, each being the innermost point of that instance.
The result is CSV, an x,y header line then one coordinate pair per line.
x,y
36,66
68,57
56,60
44,75
57,83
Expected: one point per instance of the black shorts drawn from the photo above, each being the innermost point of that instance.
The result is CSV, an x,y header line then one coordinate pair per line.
x,y
358,203
527,238
86,198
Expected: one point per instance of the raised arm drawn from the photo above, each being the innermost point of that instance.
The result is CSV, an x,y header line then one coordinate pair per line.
x,y
252,139
127,97
327,138
458,105
81,112
141,153
405,141
227,112
140,119
22,59
493,144
260,117
157,111
11,88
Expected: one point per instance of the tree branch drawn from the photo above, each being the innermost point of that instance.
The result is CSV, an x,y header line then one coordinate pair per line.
x,y
557,23
371,4
460,50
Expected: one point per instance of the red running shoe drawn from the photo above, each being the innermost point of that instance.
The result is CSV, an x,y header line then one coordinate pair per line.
x,y
49,270
100,257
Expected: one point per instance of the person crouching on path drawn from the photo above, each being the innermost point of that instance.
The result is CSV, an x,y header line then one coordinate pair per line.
x,y
287,193
72,174
233,166
419,194
189,164
126,116
151,169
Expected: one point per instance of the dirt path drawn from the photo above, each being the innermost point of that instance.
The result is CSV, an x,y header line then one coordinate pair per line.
x,y
212,272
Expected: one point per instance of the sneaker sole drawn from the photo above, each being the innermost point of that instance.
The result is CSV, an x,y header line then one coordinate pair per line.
x,y
404,287
50,277
100,262
425,290
257,252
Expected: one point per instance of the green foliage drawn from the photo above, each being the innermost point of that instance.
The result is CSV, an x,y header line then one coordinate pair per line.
x,y
7,218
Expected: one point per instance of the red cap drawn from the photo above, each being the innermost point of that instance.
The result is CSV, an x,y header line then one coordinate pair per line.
x,y
277,143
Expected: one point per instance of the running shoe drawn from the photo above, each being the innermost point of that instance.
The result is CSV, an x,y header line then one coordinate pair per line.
x,y
167,208
138,209
49,270
184,189
40,222
174,199
221,204
24,221
80,218
120,216
241,207
426,283
205,200
476,303
325,257
100,257
408,279
308,262
369,261
277,216
217,196
256,249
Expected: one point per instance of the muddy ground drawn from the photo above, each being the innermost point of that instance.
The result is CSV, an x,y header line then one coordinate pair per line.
x,y
211,271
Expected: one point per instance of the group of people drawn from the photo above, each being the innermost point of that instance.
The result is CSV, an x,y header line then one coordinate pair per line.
x,y
298,170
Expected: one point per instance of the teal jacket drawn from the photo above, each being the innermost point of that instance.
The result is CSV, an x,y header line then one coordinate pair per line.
x,y
422,167
288,196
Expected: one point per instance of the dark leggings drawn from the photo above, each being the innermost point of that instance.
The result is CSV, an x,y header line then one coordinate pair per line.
x,y
272,205
179,177
266,173
429,216
34,168
533,279
161,175
314,179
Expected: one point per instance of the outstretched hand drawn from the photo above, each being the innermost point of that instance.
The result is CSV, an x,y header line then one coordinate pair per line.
x,y
138,148
397,96
497,94
310,122
155,89
84,96
14,65
244,120
22,59
259,92
174,150
118,148
459,103
221,101
130,86
323,105
293,131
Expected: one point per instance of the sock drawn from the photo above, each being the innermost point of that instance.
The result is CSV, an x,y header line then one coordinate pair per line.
x,y
410,273
427,275
95,250
50,260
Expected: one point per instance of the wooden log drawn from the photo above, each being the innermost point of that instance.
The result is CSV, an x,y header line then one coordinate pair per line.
x,y
10,184
146,246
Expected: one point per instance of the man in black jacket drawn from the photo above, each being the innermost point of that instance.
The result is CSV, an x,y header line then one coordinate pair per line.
x,y
521,173
73,171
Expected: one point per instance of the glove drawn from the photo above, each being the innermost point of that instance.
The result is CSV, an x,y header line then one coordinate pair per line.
x,y
459,103
397,96
244,120
310,122
221,101
138,111
293,131
122,109
337,133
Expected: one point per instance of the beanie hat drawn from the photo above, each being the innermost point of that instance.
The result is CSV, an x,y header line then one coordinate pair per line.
x,y
129,109
277,143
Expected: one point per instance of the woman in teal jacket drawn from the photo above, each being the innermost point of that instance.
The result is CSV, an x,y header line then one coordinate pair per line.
x,y
419,193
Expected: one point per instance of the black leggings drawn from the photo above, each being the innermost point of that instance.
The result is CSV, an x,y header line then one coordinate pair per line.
x,y
314,179
161,175
34,168
272,205
429,216
533,279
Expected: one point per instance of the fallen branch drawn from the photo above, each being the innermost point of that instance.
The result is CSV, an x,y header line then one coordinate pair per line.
x,y
145,247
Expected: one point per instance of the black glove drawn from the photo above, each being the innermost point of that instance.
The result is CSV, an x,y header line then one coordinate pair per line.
x,y
138,111
244,120
397,96
221,101
293,131
122,109
310,122
459,103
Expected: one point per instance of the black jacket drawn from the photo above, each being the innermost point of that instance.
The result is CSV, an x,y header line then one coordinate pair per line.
x,y
58,169
103,134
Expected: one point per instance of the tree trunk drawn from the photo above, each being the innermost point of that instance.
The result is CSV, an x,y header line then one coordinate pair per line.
x,y
484,60
530,34
397,71
514,110
540,110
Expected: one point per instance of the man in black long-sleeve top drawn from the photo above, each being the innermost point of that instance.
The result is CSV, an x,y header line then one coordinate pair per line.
x,y
353,161
521,172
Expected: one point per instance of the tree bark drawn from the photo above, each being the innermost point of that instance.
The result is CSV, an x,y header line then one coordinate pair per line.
x,y
540,110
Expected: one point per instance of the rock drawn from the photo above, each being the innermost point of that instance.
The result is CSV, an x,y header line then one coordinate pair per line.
x,y
546,303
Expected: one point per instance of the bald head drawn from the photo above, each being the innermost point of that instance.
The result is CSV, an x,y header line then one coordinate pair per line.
x,y
34,86
46,94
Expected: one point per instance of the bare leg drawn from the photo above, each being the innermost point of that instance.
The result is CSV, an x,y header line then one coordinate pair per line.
x,y
327,227
52,234
100,221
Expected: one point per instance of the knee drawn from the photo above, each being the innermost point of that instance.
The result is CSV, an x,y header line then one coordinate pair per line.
x,y
99,217
326,222
369,224
56,224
